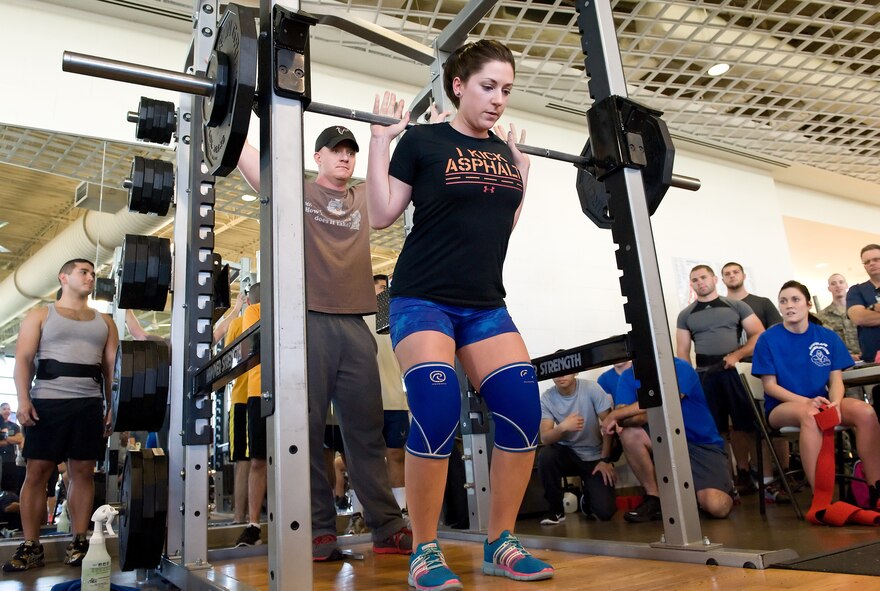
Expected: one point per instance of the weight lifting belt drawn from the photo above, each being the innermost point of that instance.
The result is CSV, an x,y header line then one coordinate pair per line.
x,y
49,369
822,510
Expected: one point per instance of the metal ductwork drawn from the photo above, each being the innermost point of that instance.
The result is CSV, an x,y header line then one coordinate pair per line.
x,y
94,232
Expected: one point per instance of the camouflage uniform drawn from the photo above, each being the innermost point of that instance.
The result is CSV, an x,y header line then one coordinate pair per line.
x,y
837,320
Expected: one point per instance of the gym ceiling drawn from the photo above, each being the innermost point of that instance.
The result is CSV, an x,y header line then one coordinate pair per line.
x,y
803,90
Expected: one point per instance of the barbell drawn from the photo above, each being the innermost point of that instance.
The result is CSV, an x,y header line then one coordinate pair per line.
x,y
228,89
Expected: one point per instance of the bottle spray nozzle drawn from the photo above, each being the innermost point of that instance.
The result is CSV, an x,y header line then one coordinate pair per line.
x,y
103,517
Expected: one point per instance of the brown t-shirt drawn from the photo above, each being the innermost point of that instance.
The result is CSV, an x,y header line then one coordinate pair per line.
x,y
339,272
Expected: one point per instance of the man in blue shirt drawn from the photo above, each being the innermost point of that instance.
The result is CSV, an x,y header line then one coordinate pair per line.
x,y
712,480
863,304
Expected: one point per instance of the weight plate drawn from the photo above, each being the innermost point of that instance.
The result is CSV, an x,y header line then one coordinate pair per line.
x,y
139,369
125,291
136,177
151,362
152,289
140,271
165,263
147,191
149,489
163,377
165,191
131,523
237,40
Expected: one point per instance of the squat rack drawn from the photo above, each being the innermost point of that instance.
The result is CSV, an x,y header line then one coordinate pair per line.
x,y
282,101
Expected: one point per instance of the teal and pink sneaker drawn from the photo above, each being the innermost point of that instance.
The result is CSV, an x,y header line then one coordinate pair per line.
x,y
428,570
505,557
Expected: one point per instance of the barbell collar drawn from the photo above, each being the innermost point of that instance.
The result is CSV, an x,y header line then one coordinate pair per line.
x,y
688,183
99,67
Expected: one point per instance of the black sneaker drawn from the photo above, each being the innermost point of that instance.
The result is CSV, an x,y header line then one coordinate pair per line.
x,y
774,494
648,510
249,537
28,555
745,484
76,550
553,518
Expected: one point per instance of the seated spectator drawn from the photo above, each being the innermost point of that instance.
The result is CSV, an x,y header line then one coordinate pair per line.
x,y
571,412
608,379
800,364
709,464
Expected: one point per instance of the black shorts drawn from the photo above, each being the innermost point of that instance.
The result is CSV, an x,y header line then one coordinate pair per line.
x,y
396,428
728,399
238,432
68,429
333,439
256,429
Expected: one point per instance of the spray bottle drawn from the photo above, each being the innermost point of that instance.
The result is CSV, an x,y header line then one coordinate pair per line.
x,y
62,524
96,564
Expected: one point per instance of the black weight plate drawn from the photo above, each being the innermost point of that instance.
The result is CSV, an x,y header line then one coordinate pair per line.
x,y
167,196
136,177
116,390
149,488
163,188
141,129
138,373
153,542
237,39
151,362
165,263
125,291
140,271
147,193
151,290
163,377
150,385
131,523
159,168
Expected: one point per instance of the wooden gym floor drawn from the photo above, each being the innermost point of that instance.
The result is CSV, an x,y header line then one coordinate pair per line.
x,y
746,529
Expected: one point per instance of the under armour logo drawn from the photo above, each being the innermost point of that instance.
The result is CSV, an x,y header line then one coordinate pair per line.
x,y
488,189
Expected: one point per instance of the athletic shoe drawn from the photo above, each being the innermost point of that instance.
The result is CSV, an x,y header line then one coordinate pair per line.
x,y
76,550
249,537
400,542
28,555
428,570
745,484
648,510
326,549
343,504
773,494
356,525
553,518
505,557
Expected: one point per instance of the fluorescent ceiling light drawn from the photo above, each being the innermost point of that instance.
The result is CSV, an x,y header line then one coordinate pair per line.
x,y
249,198
718,69
3,223
4,249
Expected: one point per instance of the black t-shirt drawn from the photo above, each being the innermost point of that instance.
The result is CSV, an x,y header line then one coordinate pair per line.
x,y
7,452
766,312
465,191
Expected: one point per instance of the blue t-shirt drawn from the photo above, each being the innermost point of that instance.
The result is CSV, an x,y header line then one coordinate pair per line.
x,y
699,426
864,294
801,363
608,381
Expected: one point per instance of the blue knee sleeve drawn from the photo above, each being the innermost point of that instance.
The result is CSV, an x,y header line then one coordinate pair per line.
x,y
511,393
435,403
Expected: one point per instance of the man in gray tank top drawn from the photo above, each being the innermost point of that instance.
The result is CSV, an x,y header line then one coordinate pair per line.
x,y
66,412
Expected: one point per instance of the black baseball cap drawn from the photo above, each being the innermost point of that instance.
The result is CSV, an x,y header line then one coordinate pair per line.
x,y
332,136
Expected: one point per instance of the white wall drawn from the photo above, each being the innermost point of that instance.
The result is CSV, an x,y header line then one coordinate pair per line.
x,y
36,93
560,275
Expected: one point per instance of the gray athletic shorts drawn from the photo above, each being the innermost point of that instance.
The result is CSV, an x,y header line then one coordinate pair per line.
x,y
710,468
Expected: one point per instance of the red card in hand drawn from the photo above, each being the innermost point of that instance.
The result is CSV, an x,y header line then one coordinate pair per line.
x,y
828,417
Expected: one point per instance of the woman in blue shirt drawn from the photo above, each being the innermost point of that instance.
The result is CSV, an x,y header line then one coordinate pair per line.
x,y
800,364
